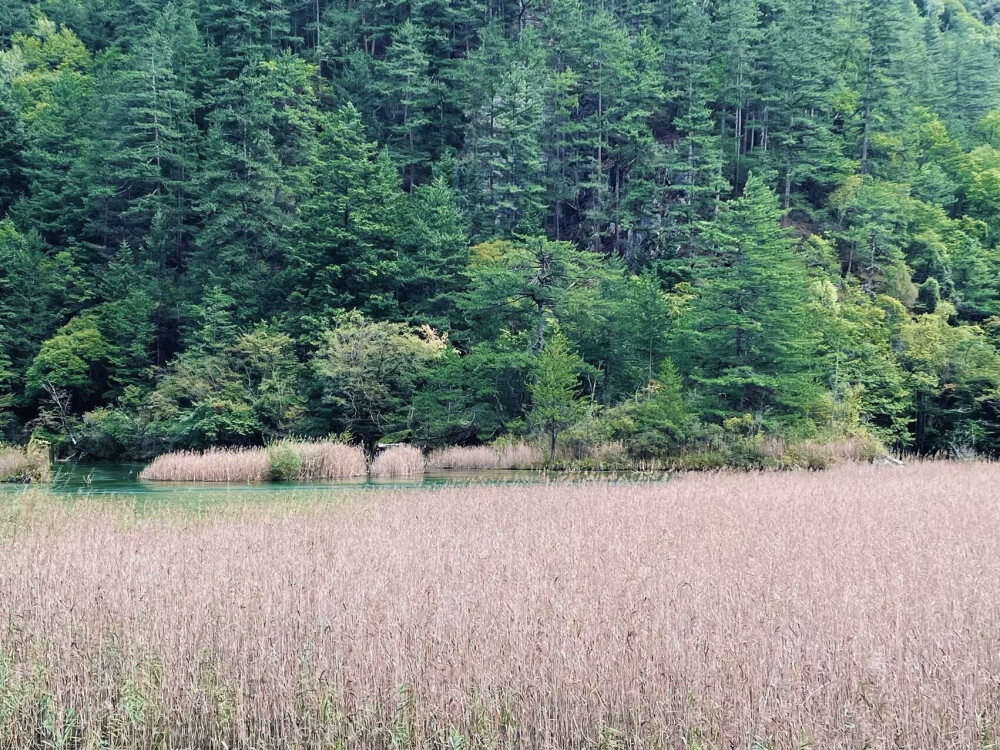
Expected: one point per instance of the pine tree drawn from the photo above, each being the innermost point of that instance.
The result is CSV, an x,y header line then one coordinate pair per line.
x,y
244,31
738,35
636,94
797,138
344,253
502,166
965,65
890,57
434,254
257,150
15,16
60,93
875,233
155,157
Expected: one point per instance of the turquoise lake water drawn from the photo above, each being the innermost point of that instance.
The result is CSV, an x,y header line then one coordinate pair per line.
x,y
77,479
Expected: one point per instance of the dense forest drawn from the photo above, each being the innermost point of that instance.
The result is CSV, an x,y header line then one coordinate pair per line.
x,y
663,222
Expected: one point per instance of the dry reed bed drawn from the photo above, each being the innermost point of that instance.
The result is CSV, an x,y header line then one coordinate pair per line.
x,y
484,457
212,465
315,461
11,460
854,608
399,461
30,464
329,460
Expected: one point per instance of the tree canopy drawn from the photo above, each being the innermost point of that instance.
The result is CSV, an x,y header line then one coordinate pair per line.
x,y
228,221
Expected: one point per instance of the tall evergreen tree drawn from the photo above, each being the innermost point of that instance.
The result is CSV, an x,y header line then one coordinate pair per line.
x,y
749,341
13,145
408,99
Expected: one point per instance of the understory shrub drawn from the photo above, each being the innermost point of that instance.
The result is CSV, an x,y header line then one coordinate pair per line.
x,y
285,462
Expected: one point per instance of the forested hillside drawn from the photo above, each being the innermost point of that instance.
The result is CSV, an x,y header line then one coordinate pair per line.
x,y
663,222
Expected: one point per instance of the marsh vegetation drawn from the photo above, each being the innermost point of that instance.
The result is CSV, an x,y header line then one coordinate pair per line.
x,y
286,460
26,465
857,607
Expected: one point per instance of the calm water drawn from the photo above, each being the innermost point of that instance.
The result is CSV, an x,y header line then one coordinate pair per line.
x,y
123,479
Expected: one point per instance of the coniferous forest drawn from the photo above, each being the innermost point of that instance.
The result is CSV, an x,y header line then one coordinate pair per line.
x,y
668,223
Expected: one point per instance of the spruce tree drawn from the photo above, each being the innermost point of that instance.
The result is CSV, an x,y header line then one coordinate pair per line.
x,y
555,389
408,99
13,144
502,168
750,342
693,163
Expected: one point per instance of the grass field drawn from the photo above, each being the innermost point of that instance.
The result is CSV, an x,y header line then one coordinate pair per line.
x,y
856,608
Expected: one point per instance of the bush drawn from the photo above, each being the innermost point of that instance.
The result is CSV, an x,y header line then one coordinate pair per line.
x,y
286,464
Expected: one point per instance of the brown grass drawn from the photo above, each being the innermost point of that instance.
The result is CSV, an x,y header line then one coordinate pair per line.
x,y
212,465
854,608
399,461
25,465
484,457
328,460
11,460
314,461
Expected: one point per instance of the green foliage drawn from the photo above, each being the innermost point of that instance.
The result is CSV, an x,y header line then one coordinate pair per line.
x,y
284,461
651,424
230,388
555,389
370,372
70,359
229,221
749,342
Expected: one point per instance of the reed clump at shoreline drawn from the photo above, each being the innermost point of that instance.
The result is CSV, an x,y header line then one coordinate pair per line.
x,y
399,461
520,455
282,461
27,465
311,461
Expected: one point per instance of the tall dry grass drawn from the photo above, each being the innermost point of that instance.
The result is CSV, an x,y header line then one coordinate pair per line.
x,y
328,460
311,461
854,608
479,458
11,460
818,454
211,465
399,461
29,464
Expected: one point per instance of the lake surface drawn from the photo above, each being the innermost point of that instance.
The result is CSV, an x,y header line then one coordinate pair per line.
x,y
74,479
